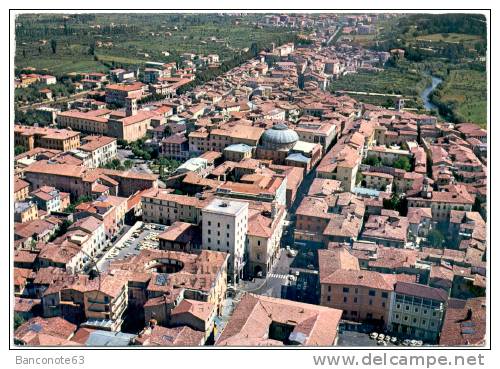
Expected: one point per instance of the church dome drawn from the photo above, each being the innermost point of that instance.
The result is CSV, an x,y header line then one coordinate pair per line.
x,y
279,136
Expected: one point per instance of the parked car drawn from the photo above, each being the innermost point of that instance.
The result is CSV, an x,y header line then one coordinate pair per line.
x,y
394,340
373,335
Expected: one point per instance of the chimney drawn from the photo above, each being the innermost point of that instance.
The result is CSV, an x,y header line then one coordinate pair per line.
x,y
130,106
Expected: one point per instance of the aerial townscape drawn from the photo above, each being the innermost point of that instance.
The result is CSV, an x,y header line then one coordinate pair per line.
x,y
240,179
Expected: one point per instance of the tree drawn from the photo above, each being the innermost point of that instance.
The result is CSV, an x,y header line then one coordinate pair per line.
x,y
403,163
53,46
128,164
18,321
373,161
18,150
435,238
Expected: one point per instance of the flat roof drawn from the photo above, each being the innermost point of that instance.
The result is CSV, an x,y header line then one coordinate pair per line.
x,y
226,207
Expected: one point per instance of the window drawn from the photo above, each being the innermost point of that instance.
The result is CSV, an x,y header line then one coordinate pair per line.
x,y
218,225
407,307
327,298
355,300
371,293
345,299
355,290
416,310
414,320
345,289
370,302
228,227
329,288
383,303
209,239
209,231
385,295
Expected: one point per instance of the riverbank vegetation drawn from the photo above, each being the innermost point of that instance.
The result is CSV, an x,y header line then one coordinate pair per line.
x,y
449,46
400,78
462,97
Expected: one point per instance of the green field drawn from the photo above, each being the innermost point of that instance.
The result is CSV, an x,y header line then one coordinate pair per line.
x,y
400,81
97,42
464,91
448,37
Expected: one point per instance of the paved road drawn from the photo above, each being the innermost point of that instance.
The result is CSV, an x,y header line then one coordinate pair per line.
x,y
270,286
53,102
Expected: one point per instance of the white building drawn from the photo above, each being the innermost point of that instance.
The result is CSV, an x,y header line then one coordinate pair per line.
x,y
102,149
225,226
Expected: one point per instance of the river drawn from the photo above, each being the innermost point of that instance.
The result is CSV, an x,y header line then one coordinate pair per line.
x,y
426,93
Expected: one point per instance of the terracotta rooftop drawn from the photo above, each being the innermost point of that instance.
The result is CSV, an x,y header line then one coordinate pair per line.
x,y
250,323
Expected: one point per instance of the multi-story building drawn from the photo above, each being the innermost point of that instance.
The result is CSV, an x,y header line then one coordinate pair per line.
x,y
21,189
164,207
322,133
102,149
47,198
25,211
417,311
342,161
218,139
265,321
81,181
48,138
106,302
175,147
118,93
225,227
94,122
451,197
264,236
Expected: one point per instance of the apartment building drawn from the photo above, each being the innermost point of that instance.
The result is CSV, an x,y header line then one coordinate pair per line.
x,y
108,209
342,162
21,189
265,229
25,211
48,138
417,311
94,122
450,197
225,227
163,207
118,93
48,198
102,149
105,301
80,181
219,138
322,133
